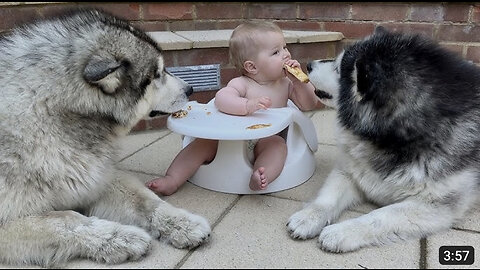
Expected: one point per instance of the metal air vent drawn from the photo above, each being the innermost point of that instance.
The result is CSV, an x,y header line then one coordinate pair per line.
x,y
201,78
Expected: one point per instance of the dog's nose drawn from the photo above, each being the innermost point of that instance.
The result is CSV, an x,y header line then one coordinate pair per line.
x,y
188,90
309,67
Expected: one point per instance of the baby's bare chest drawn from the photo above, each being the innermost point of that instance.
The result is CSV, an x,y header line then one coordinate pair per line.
x,y
278,95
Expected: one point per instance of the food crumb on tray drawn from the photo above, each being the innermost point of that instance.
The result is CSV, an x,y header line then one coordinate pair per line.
x,y
179,114
257,126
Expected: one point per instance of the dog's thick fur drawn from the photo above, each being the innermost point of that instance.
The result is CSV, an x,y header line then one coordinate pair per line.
x,y
409,125
70,87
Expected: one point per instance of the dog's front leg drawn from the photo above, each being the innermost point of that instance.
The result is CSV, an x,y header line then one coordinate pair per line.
x,y
337,194
128,201
437,207
53,238
389,224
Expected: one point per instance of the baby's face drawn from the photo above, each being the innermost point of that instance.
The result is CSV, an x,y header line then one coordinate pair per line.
x,y
272,55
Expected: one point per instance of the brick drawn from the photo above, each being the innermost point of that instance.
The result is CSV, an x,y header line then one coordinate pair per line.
x,y
235,10
427,13
302,25
456,12
476,13
157,122
203,96
324,11
456,48
459,33
202,56
52,10
271,11
228,73
227,24
309,51
168,11
186,25
410,28
205,25
473,54
379,11
141,125
151,26
351,30
125,11
15,16
340,46
169,58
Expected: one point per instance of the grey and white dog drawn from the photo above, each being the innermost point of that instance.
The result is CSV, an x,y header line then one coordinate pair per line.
x,y
70,87
408,136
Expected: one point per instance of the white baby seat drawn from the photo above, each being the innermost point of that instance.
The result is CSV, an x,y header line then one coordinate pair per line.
x,y
231,169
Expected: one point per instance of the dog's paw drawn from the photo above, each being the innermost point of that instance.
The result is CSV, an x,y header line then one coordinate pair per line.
x,y
306,223
116,243
340,237
180,228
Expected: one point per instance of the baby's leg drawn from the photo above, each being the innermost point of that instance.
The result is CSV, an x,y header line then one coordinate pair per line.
x,y
184,165
270,155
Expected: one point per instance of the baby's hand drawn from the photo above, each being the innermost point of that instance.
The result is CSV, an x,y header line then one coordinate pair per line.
x,y
292,63
256,104
294,71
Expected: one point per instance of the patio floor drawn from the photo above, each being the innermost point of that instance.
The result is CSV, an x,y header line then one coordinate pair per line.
x,y
248,231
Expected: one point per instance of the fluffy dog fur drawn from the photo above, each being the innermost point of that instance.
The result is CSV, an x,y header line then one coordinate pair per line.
x,y
408,134
70,87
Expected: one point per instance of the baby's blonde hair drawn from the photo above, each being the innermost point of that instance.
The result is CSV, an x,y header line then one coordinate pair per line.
x,y
244,41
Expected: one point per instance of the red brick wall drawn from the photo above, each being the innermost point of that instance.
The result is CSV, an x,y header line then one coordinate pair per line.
x,y
454,25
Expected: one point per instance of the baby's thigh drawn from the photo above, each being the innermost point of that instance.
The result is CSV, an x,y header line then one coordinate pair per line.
x,y
203,146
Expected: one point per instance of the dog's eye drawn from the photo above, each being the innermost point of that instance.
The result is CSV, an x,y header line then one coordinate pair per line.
x,y
157,75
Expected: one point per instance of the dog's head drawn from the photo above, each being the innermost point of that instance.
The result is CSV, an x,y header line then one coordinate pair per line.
x,y
387,84
121,71
325,76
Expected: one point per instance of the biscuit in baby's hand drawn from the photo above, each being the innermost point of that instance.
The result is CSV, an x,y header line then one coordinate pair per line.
x,y
298,73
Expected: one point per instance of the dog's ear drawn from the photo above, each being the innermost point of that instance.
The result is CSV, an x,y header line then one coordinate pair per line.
x,y
103,72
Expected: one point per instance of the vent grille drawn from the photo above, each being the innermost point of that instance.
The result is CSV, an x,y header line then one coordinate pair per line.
x,y
201,78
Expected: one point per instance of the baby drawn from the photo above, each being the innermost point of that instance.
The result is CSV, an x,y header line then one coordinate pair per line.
x,y
258,50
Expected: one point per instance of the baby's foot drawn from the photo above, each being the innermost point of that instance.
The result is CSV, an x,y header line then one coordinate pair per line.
x,y
163,186
258,181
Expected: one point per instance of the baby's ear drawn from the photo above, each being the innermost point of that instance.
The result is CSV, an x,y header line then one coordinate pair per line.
x,y
250,67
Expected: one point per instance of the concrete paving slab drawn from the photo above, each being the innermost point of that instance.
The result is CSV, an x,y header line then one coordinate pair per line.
x,y
324,121
170,41
156,158
137,141
325,158
471,221
208,204
452,238
162,255
197,200
253,235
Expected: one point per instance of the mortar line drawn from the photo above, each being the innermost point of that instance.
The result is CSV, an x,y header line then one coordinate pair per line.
x,y
422,264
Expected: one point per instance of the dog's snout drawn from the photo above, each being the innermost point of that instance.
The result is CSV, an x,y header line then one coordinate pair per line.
x,y
188,90
309,67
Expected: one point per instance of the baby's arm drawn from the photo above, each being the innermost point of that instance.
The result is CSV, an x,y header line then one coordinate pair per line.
x,y
302,94
231,99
